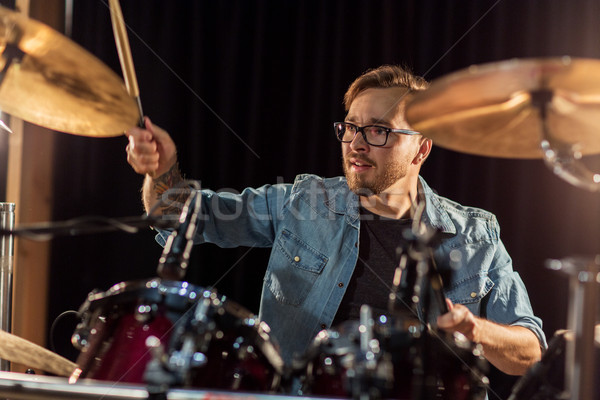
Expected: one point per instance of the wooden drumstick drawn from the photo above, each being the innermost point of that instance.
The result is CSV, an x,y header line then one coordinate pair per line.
x,y
21,351
122,41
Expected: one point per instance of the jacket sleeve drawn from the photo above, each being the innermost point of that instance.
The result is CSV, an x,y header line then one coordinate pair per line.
x,y
509,302
239,219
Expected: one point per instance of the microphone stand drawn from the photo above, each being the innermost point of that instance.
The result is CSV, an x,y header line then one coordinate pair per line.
x,y
417,270
86,225
175,257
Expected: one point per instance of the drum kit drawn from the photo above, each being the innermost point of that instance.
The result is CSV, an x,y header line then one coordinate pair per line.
x,y
168,339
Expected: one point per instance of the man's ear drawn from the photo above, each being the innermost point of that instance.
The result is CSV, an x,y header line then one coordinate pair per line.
x,y
424,150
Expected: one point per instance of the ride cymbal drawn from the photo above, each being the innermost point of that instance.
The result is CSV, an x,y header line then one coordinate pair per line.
x,y
49,80
499,109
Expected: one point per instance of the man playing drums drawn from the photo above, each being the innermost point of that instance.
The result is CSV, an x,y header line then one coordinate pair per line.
x,y
334,240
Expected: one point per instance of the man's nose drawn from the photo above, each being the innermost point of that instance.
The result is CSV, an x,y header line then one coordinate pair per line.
x,y
359,143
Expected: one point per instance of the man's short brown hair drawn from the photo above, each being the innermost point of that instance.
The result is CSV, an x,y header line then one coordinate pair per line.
x,y
386,76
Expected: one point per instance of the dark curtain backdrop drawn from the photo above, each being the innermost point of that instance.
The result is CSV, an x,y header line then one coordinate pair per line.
x,y
249,89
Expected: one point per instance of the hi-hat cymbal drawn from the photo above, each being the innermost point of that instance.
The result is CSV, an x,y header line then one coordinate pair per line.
x,y
495,109
55,83
21,351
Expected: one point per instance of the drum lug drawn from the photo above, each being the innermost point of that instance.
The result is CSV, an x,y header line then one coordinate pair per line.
x,y
198,360
156,372
79,339
171,369
144,313
180,361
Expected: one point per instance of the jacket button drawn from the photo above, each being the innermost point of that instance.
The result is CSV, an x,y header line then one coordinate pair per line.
x,y
473,294
323,326
355,244
341,284
296,258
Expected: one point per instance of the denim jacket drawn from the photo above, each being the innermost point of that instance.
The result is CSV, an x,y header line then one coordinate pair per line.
x,y
312,227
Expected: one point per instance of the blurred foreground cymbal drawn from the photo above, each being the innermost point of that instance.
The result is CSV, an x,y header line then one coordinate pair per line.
x,y
495,109
53,82
21,351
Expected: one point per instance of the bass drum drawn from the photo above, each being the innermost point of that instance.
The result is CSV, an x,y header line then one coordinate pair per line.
x,y
175,334
400,361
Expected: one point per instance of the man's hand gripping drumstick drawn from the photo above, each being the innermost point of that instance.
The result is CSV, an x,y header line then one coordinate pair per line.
x,y
152,152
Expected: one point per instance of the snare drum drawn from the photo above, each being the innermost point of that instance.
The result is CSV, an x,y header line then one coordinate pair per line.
x,y
403,361
174,333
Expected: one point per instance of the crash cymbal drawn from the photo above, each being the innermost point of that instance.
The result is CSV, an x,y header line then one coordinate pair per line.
x,y
55,83
21,351
496,109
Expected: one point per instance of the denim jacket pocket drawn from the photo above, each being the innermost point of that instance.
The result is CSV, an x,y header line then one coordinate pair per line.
x,y
470,291
294,267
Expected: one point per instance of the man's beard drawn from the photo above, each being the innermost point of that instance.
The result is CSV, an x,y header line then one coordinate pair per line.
x,y
384,177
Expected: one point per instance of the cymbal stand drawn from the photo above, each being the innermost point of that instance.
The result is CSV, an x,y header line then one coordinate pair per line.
x,y
11,52
563,158
584,279
7,221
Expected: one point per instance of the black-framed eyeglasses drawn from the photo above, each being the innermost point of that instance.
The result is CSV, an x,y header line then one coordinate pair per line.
x,y
375,135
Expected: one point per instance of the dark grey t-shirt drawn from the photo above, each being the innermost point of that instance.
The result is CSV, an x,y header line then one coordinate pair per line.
x,y
379,253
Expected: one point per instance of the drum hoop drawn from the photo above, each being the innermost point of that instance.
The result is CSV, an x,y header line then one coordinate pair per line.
x,y
153,289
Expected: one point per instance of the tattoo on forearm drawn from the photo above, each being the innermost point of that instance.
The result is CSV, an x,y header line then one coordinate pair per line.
x,y
167,180
172,197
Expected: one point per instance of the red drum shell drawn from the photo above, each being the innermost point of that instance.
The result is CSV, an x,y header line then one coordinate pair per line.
x,y
117,324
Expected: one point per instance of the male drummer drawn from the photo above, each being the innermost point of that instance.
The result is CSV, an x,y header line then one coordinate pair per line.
x,y
334,240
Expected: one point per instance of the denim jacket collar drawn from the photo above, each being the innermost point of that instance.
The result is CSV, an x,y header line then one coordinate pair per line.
x,y
341,200
435,214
